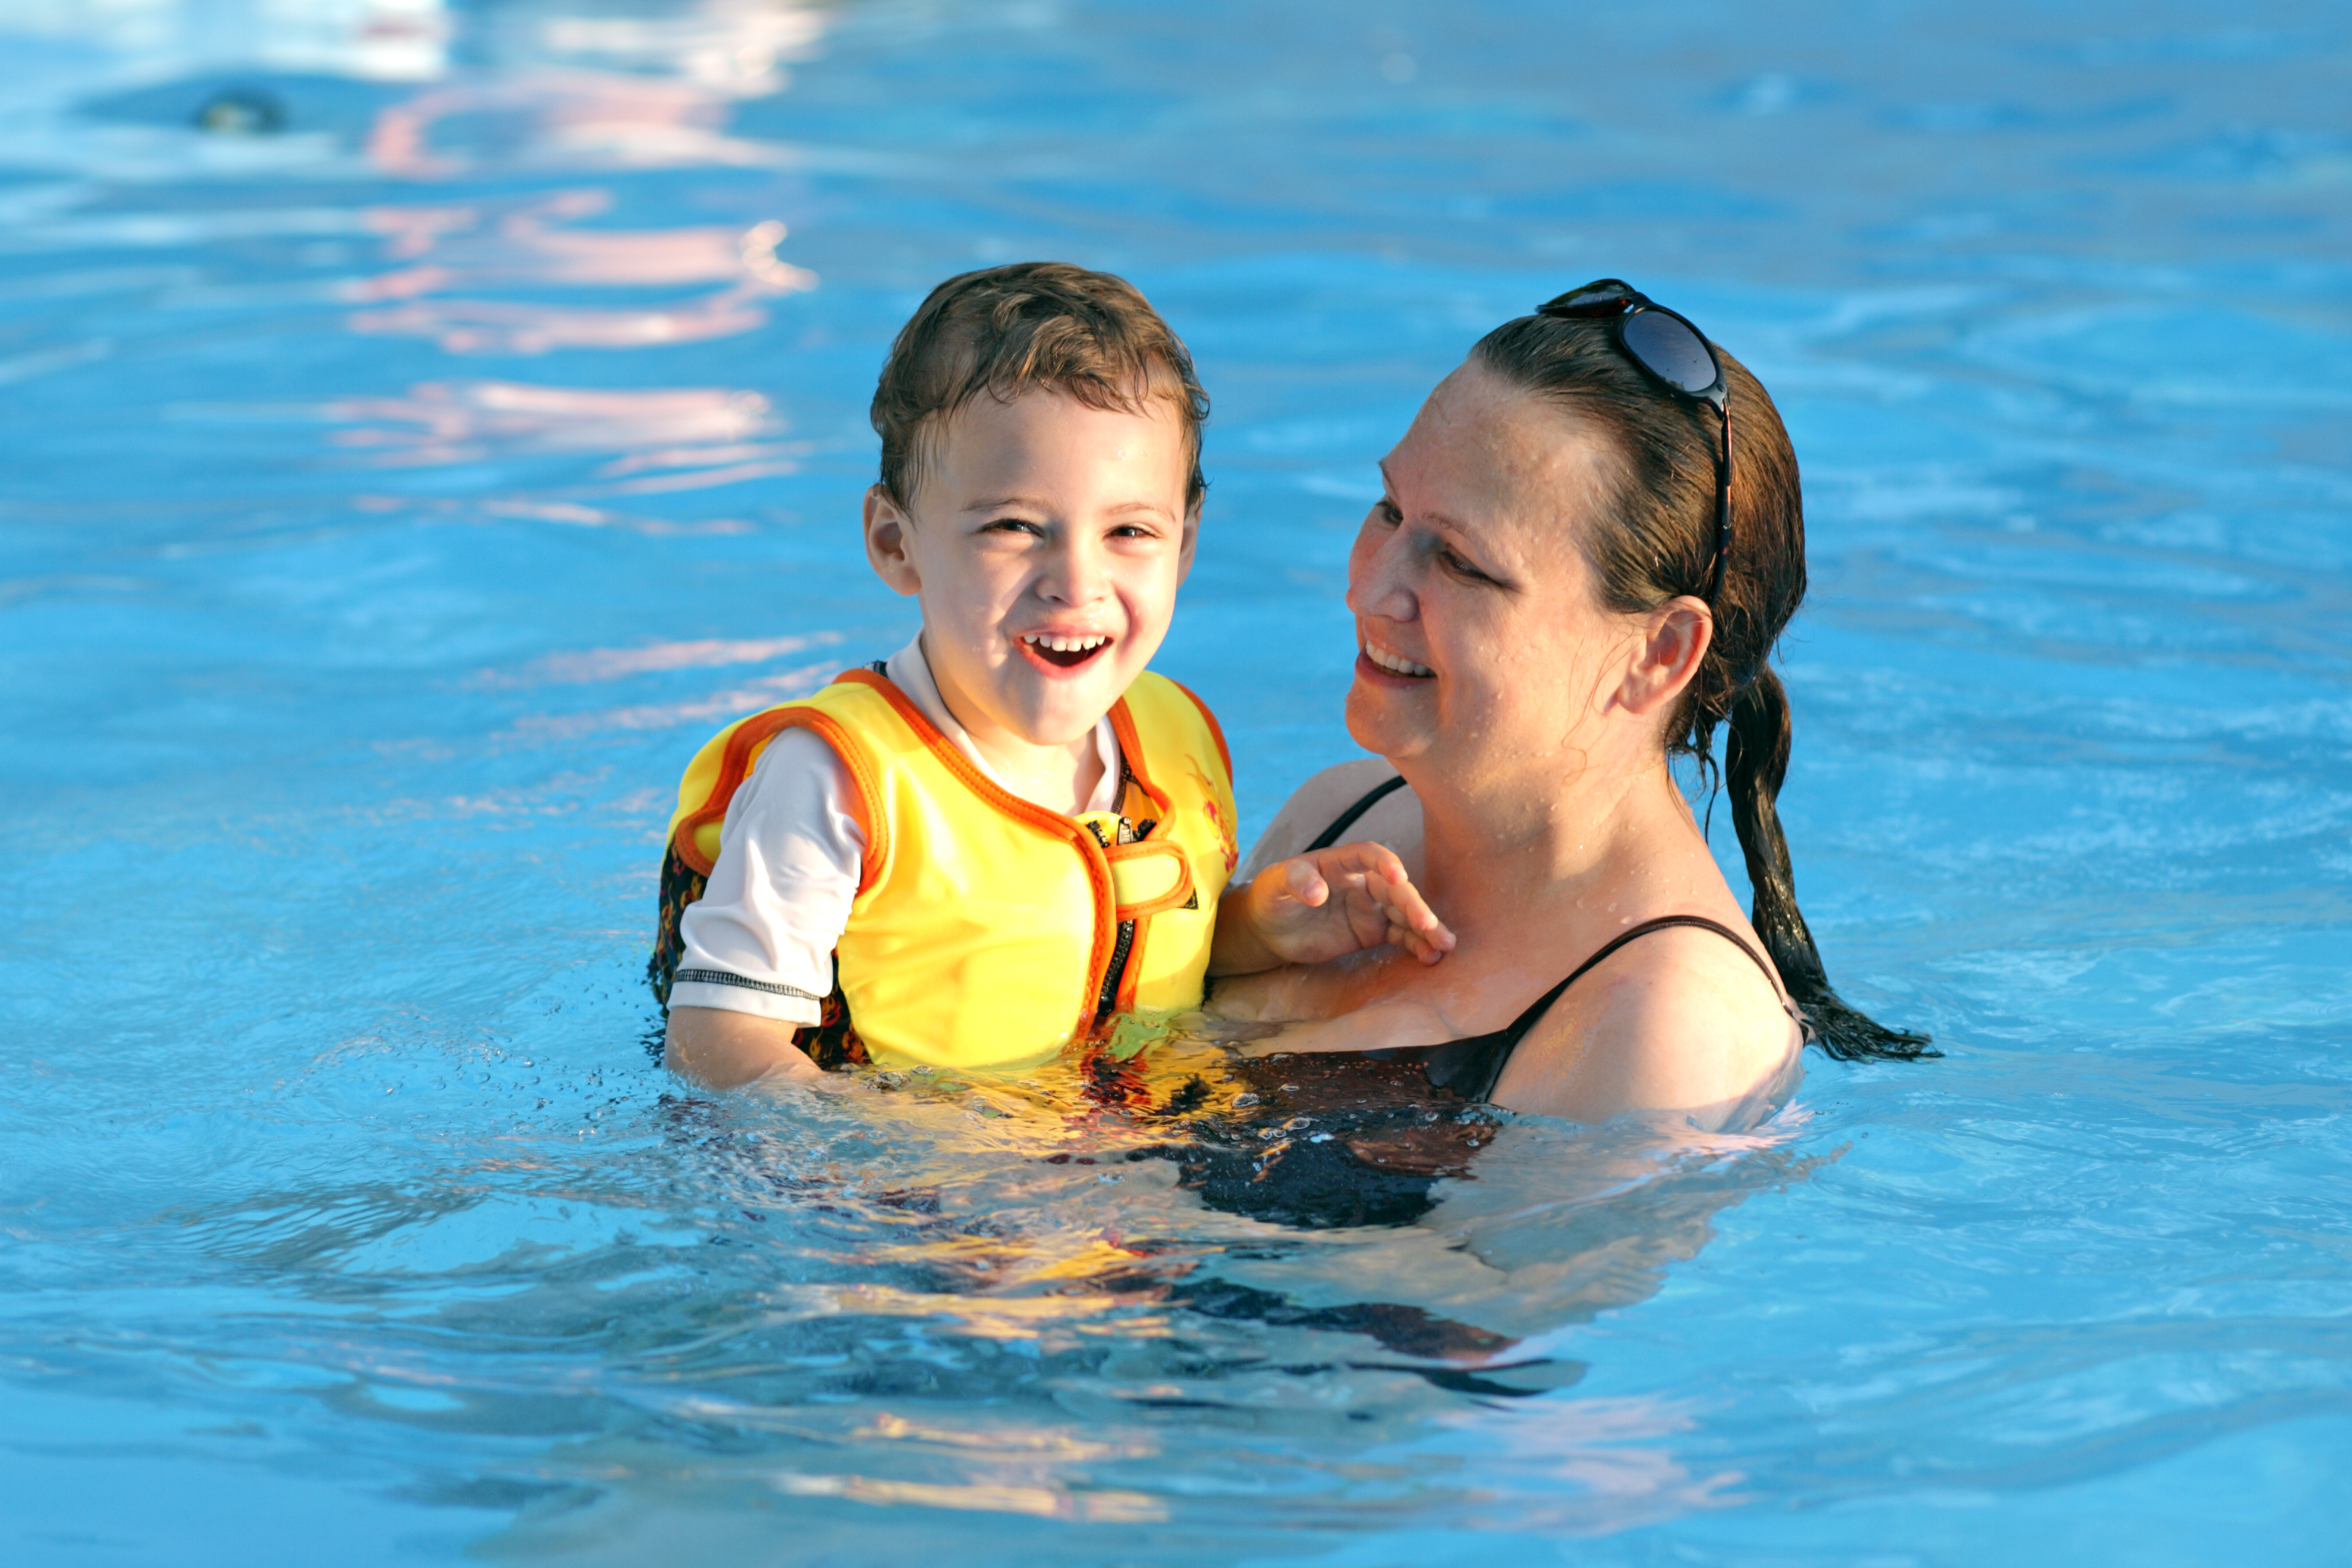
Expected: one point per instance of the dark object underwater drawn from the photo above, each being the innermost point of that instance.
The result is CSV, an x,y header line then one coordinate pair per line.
x,y
241,111
1323,1140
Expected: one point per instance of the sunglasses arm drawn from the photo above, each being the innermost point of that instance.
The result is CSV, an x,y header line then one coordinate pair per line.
x,y
1722,510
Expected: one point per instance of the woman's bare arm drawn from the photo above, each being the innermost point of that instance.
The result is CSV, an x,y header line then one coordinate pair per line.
x,y
1679,1021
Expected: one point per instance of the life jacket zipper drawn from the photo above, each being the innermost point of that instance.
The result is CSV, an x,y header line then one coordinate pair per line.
x,y
1108,1001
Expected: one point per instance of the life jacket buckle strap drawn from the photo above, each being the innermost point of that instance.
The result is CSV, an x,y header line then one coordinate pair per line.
x,y
1150,877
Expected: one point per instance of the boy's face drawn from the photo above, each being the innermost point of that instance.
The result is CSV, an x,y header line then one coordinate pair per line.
x,y
1047,544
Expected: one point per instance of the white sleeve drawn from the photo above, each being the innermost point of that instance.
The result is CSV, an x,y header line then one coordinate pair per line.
x,y
761,938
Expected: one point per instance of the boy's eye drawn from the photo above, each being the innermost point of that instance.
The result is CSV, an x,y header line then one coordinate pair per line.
x,y
1013,525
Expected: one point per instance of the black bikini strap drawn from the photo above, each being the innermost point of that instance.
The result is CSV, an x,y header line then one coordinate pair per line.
x,y
1347,819
1526,1019
1471,1066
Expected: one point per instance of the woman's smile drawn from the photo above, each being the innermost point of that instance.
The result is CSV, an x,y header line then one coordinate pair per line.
x,y
1395,665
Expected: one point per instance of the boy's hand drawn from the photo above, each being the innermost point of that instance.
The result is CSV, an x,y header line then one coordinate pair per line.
x,y
1325,904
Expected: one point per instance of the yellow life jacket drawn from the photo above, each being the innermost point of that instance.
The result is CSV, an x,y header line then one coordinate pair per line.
x,y
988,931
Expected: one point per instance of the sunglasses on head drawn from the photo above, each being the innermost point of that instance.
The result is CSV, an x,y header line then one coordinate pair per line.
x,y
1677,356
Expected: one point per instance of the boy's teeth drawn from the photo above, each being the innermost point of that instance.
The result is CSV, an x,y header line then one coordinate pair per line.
x,y
1390,662
1064,644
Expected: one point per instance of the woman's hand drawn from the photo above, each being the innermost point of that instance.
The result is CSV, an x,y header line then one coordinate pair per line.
x,y
1325,904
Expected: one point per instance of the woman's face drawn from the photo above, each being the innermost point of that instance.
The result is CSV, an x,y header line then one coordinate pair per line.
x,y
1482,643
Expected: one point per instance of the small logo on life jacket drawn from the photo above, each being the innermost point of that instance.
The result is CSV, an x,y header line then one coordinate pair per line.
x,y
1227,831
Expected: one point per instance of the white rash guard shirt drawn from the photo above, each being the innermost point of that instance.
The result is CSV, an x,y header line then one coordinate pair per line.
x,y
761,938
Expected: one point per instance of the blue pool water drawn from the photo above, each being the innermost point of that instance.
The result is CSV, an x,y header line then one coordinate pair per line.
x,y
393,499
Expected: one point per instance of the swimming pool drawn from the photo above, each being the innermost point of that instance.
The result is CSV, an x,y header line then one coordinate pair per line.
x,y
395,496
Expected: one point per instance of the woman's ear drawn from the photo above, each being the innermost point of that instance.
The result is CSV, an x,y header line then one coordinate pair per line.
x,y
1673,642
890,542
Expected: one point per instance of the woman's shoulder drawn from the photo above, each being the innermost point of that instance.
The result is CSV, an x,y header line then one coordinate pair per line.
x,y
1680,1020
1393,820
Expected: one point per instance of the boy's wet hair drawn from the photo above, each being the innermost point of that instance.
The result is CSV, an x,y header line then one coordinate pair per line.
x,y
1005,330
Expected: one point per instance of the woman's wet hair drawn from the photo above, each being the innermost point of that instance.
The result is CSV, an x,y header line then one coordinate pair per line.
x,y
1655,543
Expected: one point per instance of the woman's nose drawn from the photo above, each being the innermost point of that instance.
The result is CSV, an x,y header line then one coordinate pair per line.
x,y
1375,574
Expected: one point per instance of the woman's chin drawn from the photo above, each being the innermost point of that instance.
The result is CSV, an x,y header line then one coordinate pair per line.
x,y
1376,722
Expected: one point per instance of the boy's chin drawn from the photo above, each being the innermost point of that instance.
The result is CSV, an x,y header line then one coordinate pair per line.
x,y
1064,710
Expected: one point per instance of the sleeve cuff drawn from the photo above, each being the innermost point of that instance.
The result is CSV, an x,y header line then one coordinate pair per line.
x,y
734,993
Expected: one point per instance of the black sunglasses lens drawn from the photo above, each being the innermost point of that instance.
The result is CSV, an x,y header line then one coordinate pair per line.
x,y
1672,351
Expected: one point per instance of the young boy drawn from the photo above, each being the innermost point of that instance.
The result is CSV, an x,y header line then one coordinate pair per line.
x,y
983,848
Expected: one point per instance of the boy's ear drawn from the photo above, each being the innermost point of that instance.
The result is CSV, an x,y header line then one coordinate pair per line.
x,y
888,527
1191,540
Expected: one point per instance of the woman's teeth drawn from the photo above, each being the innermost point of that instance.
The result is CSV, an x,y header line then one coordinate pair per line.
x,y
1395,664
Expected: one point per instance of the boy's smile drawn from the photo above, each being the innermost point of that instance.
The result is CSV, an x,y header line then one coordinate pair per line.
x,y
1054,652
1047,544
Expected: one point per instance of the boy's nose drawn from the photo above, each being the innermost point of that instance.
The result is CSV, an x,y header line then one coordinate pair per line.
x,y
1076,573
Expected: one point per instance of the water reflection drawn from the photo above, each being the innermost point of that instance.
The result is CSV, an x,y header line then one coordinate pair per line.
x,y
737,49
563,119
971,1299
545,114
462,247
386,40
732,48
707,431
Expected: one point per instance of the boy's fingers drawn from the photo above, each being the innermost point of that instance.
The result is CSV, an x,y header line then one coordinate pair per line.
x,y
1407,908
1384,905
1426,950
1306,884
1410,941
1375,860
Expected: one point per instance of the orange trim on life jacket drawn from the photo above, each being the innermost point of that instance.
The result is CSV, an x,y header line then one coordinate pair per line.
x,y
1216,731
735,765
1130,749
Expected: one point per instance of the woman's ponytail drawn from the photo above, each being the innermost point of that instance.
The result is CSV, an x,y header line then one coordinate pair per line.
x,y
1657,543
1755,761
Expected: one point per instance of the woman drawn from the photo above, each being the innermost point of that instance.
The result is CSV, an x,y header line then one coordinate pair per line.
x,y
1567,582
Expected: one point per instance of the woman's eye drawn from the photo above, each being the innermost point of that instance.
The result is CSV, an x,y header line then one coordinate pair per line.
x,y
1457,564
1389,513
